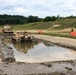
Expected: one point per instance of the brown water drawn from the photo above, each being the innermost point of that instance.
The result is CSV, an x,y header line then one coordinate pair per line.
x,y
41,52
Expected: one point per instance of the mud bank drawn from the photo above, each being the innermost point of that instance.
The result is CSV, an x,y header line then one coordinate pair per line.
x,y
6,53
45,68
50,68
61,41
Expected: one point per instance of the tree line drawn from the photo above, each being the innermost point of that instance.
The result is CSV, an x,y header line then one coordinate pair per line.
x,y
17,19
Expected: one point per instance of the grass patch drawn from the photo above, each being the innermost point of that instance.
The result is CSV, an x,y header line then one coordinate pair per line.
x,y
60,35
64,23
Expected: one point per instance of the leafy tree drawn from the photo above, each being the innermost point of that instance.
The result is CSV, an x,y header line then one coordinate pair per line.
x,y
53,18
17,21
33,19
48,18
2,21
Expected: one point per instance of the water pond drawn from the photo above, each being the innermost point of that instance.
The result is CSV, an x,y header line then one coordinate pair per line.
x,y
40,51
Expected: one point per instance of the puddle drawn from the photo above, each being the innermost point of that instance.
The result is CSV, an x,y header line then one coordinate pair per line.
x,y
41,52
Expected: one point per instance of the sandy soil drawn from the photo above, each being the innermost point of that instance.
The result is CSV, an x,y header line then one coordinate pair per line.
x,y
67,42
50,68
45,68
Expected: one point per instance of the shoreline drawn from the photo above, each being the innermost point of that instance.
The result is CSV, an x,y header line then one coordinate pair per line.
x,y
61,41
67,67
6,52
49,68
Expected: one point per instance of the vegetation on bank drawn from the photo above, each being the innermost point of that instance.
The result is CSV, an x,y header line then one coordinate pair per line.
x,y
60,35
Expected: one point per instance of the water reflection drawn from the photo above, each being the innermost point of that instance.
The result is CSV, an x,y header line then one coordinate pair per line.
x,y
24,47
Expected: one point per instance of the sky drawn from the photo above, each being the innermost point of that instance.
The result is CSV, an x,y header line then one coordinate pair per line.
x,y
40,8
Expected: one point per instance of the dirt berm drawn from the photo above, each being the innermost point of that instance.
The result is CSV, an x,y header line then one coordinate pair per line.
x,y
65,42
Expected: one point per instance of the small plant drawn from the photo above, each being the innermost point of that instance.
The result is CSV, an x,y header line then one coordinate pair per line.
x,y
68,68
46,64
34,23
49,65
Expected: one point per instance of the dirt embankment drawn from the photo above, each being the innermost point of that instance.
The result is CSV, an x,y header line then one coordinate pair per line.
x,y
6,53
65,42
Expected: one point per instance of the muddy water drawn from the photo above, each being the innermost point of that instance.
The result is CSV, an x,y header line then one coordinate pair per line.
x,y
41,52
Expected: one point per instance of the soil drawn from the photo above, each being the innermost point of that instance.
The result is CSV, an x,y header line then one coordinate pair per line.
x,y
45,68
66,42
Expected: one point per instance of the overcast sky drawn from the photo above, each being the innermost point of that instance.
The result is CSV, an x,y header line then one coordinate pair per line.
x,y
40,8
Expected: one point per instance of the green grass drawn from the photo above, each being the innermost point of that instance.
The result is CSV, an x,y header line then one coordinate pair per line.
x,y
60,35
64,23
32,26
